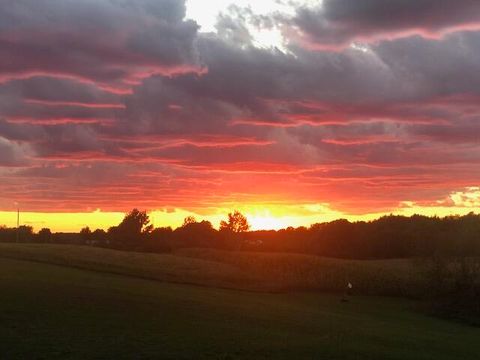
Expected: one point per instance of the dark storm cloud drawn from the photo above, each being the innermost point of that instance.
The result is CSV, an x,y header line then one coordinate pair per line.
x,y
336,23
251,83
446,67
267,85
163,106
109,42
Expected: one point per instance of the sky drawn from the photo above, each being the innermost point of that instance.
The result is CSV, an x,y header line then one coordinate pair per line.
x,y
293,112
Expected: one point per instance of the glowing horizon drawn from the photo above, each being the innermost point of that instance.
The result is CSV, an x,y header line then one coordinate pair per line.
x,y
260,216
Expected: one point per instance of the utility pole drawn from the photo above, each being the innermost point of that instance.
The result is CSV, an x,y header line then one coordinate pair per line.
x,y
18,223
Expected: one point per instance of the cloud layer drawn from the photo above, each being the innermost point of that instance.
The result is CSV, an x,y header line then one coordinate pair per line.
x,y
336,23
114,104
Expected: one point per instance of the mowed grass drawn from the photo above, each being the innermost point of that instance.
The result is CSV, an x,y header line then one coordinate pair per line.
x,y
57,312
236,270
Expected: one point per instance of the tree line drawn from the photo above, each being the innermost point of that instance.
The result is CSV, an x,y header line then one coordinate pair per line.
x,y
387,237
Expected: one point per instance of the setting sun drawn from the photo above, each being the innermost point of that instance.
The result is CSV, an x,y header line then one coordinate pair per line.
x,y
266,222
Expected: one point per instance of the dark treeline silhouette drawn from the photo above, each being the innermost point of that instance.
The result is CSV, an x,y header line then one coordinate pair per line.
x,y
387,237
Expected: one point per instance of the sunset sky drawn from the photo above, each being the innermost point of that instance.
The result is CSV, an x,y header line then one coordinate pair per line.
x,y
293,112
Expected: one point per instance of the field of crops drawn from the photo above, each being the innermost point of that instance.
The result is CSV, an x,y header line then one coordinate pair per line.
x,y
237,270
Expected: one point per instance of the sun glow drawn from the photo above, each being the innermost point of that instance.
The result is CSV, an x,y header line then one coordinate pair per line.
x,y
261,216
266,222
206,17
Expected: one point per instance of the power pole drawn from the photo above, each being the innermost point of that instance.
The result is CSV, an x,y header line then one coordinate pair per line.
x,y
18,223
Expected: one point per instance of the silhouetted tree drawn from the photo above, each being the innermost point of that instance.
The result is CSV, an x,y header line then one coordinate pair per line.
x,y
25,233
99,236
44,235
196,234
129,232
233,230
161,232
86,235
159,240
236,223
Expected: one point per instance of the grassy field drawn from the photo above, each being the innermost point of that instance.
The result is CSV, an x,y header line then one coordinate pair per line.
x,y
247,271
56,312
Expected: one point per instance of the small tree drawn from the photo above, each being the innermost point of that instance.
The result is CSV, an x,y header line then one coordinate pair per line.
x,y
135,224
86,235
196,234
44,235
237,223
25,233
99,236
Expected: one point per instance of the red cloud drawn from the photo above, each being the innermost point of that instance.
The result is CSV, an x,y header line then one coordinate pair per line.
x,y
113,107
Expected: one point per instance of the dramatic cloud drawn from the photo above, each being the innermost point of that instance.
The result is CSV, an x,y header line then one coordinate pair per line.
x,y
367,106
112,43
336,23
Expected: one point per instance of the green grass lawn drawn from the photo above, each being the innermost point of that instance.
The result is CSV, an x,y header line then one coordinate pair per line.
x,y
56,312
